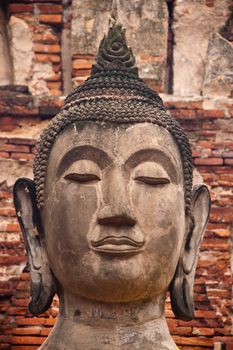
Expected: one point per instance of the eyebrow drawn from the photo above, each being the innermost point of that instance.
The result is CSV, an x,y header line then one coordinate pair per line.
x,y
92,153
155,155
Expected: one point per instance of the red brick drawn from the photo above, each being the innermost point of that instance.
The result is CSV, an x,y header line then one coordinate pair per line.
x,y
228,161
12,228
36,330
81,72
21,141
23,156
4,155
212,113
184,104
4,338
11,260
204,143
49,8
45,331
8,124
227,154
28,340
30,321
25,347
221,215
181,330
56,67
54,85
224,339
208,161
55,77
48,58
47,48
192,341
53,19
5,194
207,133
196,153
50,321
45,38
14,148
7,211
227,145
55,92
19,8
82,64
222,232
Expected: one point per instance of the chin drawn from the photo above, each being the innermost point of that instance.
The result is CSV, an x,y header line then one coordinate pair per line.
x,y
118,285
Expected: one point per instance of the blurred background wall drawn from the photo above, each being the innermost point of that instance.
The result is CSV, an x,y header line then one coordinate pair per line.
x,y
184,50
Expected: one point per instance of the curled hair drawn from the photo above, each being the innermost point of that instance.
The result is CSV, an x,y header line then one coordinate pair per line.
x,y
113,93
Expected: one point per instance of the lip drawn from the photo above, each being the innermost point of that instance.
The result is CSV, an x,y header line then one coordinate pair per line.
x,y
117,245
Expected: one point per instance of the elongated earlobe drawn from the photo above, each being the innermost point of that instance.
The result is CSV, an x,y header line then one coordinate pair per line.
x,y
42,287
181,288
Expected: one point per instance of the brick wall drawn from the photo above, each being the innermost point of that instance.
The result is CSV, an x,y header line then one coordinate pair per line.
x,y
25,111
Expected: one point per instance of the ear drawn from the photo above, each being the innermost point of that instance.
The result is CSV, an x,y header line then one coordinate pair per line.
x,y
42,285
181,288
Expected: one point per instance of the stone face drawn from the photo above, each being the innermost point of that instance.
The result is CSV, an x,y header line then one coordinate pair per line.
x,y
194,24
146,24
114,207
218,79
117,258
21,50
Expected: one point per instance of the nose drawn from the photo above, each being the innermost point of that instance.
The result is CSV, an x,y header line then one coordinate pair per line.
x,y
117,210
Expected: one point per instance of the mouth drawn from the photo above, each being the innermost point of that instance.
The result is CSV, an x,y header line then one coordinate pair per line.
x,y
117,245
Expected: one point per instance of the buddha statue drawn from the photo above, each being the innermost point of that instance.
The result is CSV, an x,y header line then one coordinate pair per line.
x,y
112,221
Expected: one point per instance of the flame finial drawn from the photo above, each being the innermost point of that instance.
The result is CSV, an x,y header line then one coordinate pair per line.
x,y
114,53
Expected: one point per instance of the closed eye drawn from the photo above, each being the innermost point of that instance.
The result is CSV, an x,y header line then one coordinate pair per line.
x,y
152,180
83,178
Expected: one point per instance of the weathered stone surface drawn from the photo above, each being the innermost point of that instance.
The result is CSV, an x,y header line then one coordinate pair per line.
x,y
89,22
13,270
29,68
5,61
146,24
40,72
194,23
21,50
225,130
12,169
218,79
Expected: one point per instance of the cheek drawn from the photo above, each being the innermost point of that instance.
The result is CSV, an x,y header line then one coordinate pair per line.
x,y
71,208
159,203
161,217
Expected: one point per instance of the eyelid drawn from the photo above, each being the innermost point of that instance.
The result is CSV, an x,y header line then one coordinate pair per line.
x,y
82,177
150,180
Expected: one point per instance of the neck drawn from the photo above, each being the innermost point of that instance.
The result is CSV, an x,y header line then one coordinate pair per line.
x,y
85,324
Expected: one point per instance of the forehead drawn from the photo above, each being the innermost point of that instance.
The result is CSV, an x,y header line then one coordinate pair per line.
x,y
118,141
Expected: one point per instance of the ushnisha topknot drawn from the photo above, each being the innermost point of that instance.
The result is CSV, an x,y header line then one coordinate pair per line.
x,y
114,53
113,93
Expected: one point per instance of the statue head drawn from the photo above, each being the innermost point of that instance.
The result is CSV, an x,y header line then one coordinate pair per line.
x,y
112,214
